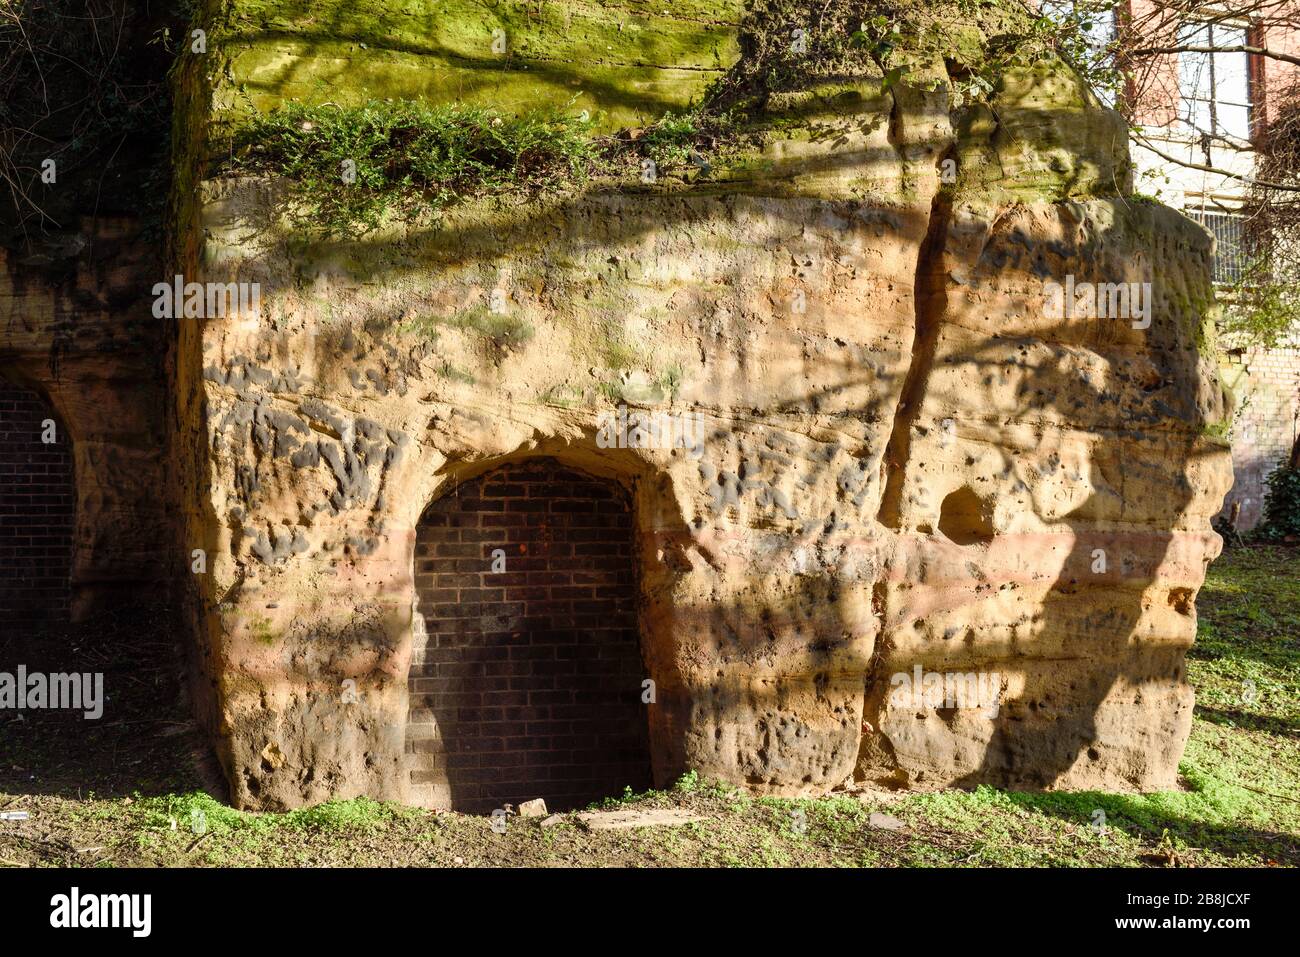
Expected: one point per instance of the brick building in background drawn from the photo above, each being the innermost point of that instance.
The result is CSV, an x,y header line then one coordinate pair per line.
x,y
1209,109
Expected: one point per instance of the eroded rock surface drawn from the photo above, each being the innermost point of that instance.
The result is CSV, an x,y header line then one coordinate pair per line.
x,y
907,466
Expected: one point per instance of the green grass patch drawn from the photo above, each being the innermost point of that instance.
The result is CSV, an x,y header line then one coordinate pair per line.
x,y
199,812
349,167
349,170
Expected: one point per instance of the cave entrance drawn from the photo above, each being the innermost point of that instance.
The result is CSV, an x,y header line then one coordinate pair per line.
x,y
37,511
526,676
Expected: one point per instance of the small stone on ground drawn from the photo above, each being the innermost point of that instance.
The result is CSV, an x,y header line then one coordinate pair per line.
x,y
534,808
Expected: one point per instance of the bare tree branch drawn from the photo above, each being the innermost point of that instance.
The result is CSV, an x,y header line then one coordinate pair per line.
x,y
1239,48
1201,167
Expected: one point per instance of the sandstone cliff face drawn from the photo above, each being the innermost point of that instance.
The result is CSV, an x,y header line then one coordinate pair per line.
x,y
84,128
75,328
908,465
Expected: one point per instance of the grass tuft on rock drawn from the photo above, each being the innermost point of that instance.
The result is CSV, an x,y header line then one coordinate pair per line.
x,y
348,170
347,167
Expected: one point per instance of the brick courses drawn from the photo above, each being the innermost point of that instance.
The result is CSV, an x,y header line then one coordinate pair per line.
x,y
527,682
36,514
1267,383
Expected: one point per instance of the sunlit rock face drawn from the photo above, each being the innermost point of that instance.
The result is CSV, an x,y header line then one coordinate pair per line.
x,y
901,512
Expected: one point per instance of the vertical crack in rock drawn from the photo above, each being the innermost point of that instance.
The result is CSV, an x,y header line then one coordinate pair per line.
x,y
931,299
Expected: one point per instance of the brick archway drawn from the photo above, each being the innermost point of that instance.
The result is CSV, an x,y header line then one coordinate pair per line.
x,y
526,681
37,512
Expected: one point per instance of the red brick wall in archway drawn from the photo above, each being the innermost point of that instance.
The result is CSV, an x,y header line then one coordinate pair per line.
x,y
527,682
37,506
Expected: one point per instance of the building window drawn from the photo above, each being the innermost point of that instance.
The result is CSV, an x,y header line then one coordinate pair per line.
x,y
1229,247
1215,87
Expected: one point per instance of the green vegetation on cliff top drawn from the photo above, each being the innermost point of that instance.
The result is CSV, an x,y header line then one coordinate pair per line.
x,y
359,156
356,163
